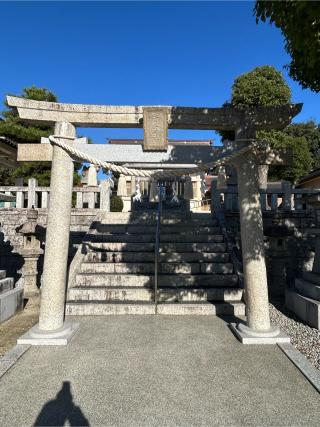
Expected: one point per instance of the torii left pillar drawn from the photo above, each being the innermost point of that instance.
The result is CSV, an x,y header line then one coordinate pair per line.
x,y
52,329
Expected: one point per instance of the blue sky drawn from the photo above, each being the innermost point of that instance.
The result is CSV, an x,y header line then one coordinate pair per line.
x,y
171,53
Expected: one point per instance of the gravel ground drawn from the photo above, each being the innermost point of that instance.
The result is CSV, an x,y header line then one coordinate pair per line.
x,y
303,337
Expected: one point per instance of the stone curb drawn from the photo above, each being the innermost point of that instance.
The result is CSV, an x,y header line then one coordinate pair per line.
x,y
302,363
11,357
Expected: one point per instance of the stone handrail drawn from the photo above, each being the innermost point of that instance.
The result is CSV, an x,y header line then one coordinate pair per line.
x,y
285,199
39,196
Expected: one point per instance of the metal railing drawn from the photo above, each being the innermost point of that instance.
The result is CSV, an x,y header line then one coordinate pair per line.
x,y
157,246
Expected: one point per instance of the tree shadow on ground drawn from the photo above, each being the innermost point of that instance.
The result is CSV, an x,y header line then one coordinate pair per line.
x,y
61,409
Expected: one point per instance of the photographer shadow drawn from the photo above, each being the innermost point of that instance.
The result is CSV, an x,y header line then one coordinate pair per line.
x,y
61,409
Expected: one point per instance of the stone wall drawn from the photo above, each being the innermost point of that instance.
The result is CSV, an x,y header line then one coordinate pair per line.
x,y
289,241
289,245
11,241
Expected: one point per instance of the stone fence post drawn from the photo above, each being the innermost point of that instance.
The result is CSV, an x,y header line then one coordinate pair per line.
x,y
188,194
32,195
105,195
79,202
19,194
286,201
215,198
45,197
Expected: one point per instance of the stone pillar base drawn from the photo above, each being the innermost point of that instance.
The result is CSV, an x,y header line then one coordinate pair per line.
x,y
61,336
248,336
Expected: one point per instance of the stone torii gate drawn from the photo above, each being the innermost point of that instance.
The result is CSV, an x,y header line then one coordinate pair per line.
x,y
246,155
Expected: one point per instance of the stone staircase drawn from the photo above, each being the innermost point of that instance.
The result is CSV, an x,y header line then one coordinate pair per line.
x,y
11,298
304,299
116,274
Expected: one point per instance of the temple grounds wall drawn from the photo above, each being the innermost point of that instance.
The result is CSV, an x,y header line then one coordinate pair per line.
x,y
11,220
289,245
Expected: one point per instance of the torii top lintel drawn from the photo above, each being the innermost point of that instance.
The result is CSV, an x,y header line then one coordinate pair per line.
x,y
115,116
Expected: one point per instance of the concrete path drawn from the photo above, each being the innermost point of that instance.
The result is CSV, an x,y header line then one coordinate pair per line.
x,y
164,371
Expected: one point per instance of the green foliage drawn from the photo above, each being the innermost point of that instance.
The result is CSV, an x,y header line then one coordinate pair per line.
x,y
299,22
304,140
266,86
261,86
116,204
39,94
38,170
5,176
14,128
311,132
302,161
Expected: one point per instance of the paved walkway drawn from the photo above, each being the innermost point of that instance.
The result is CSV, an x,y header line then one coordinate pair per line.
x,y
147,371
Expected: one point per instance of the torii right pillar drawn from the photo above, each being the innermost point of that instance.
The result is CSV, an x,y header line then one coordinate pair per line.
x,y
258,329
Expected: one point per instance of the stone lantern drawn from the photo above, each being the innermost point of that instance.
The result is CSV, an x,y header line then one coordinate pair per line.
x,y
31,252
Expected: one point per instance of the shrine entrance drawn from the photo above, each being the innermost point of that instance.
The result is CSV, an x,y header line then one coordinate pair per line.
x,y
157,160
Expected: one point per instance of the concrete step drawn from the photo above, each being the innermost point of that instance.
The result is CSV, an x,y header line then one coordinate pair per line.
x,y
150,238
188,223
151,229
95,308
191,237
2,274
191,228
145,294
202,308
164,280
96,247
6,284
307,309
165,268
163,257
149,220
195,222
192,247
308,289
311,277
149,247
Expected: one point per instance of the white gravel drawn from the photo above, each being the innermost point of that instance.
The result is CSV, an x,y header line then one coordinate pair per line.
x,y
303,337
